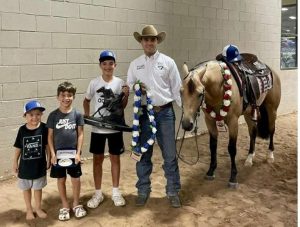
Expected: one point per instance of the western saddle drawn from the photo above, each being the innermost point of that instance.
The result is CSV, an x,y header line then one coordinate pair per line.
x,y
252,77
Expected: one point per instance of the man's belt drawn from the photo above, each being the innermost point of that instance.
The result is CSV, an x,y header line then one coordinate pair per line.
x,y
159,108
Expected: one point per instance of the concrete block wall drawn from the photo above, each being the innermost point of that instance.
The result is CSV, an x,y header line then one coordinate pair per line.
x,y
44,42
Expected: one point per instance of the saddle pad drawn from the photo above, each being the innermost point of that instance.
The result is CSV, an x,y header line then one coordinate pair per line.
x,y
260,84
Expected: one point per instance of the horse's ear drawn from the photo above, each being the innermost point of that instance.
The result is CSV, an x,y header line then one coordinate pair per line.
x,y
191,86
201,76
185,69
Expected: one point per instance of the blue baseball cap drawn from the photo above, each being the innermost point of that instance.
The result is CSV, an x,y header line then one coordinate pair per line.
x,y
33,105
107,55
231,53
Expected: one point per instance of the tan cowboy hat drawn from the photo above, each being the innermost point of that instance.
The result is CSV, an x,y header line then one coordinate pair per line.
x,y
150,31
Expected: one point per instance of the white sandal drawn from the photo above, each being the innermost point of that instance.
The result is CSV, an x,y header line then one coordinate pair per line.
x,y
79,211
64,214
118,199
95,201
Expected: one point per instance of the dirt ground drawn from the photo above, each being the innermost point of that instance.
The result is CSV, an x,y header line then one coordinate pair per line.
x,y
266,196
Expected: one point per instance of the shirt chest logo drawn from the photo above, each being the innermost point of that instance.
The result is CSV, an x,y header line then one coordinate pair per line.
x,y
160,65
140,67
64,123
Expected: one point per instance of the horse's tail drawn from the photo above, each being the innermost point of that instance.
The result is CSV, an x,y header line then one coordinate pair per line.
x,y
263,123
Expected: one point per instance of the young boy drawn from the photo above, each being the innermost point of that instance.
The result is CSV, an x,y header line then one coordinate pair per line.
x,y
105,82
30,157
65,133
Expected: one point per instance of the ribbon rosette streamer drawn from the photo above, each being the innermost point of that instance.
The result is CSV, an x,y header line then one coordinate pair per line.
x,y
226,98
137,112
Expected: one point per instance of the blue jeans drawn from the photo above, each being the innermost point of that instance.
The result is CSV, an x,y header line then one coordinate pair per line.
x,y
165,135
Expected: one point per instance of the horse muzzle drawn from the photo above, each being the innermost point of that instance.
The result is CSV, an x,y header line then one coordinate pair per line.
x,y
187,125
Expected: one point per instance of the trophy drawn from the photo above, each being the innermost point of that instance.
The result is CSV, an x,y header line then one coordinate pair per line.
x,y
113,104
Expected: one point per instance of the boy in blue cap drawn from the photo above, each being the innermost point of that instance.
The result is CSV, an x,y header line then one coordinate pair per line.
x,y
32,157
105,83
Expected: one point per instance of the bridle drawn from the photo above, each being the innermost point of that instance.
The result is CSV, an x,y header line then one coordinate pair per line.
x,y
195,131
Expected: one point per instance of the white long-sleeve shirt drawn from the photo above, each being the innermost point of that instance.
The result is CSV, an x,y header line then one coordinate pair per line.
x,y
160,75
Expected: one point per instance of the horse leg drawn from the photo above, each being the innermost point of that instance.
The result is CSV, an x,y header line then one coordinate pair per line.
x,y
252,129
232,152
233,132
268,117
270,105
270,155
213,141
272,118
213,157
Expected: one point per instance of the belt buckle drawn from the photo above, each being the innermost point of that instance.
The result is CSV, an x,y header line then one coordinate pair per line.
x,y
156,108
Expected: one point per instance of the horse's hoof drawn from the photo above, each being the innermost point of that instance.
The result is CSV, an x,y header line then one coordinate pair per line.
x,y
233,185
270,160
209,177
248,163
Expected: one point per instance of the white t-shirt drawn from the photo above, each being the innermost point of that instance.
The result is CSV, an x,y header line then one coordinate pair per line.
x,y
116,87
160,75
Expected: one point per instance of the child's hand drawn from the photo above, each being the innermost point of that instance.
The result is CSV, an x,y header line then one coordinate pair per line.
x,y
53,160
77,158
48,164
125,90
15,168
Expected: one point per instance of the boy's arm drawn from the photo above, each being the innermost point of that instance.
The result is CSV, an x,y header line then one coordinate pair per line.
x,y
16,161
48,156
79,143
51,146
86,107
125,89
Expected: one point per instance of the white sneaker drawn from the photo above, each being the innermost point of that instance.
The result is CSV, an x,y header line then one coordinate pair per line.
x,y
95,201
118,199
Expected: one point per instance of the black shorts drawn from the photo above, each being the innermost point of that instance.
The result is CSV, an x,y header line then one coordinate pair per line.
x,y
60,172
115,143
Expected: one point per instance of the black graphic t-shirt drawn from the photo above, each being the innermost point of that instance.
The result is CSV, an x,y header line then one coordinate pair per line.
x,y
64,127
32,143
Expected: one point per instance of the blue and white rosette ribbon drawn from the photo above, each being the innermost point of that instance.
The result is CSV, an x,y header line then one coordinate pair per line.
x,y
137,112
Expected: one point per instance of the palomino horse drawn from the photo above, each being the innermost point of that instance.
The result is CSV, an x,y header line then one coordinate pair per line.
x,y
204,87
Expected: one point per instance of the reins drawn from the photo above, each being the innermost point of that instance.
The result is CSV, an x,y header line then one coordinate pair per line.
x,y
179,156
182,140
195,136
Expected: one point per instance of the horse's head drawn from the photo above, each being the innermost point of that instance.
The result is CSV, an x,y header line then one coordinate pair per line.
x,y
192,96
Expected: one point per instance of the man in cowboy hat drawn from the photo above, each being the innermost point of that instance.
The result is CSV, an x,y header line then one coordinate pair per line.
x,y
159,75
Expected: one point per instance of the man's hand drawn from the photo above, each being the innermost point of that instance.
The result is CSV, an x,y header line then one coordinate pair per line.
x,y
143,88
